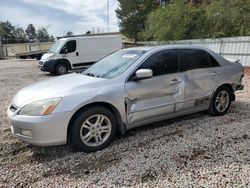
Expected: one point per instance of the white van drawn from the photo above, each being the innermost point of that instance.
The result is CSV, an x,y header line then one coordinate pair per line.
x,y
78,52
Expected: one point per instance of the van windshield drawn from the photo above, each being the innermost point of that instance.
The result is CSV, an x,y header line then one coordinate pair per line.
x,y
55,47
114,64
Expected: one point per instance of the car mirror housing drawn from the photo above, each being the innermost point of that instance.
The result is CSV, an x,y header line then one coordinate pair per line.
x,y
143,74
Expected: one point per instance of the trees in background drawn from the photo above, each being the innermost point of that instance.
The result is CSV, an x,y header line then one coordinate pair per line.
x,y
69,33
132,15
11,34
185,19
31,32
6,31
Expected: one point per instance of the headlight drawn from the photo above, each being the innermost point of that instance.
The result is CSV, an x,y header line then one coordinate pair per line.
x,y
40,108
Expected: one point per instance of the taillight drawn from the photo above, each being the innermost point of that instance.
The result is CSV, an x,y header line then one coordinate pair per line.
x,y
243,72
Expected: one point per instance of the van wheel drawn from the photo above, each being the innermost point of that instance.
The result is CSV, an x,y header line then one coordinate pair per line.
x,y
93,129
220,102
61,68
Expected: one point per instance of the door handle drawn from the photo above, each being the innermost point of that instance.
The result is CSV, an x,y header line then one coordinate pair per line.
x,y
175,81
77,54
215,73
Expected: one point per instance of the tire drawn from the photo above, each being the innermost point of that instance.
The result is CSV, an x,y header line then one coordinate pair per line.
x,y
23,57
61,69
218,110
38,57
85,133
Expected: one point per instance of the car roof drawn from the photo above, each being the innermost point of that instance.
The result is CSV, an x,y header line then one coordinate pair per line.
x,y
167,46
156,48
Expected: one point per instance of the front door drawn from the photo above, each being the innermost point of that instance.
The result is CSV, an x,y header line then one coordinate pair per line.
x,y
159,95
69,52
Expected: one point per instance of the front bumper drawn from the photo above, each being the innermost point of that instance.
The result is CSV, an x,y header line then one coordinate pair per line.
x,y
47,66
46,130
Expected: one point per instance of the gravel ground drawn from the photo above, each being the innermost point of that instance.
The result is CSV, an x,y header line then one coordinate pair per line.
x,y
193,151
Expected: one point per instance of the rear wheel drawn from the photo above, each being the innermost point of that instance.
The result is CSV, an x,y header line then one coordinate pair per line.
x,y
23,57
61,69
93,129
220,102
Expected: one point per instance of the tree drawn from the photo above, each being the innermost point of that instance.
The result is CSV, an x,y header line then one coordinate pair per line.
x,y
132,15
43,35
12,34
7,32
168,23
31,32
229,18
20,35
69,33
51,38
198,19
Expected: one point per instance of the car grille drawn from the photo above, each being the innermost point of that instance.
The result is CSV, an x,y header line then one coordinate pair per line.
x,y
13,108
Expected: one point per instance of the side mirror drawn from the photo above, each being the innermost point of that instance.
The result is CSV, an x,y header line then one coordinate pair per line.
x,y
143,74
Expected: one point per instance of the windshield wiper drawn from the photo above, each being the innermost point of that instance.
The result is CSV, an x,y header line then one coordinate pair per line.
x,y
90,74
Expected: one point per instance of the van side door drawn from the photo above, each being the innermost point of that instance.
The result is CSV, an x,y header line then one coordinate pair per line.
x,y
155,97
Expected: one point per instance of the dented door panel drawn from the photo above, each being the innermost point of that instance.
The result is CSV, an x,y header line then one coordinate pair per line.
x,y
200,85
154,97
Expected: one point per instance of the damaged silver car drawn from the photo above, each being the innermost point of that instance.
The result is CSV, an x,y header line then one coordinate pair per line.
x,y
129,88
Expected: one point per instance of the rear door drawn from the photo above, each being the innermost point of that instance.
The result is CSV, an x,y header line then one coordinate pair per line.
x,y
202,75
159,95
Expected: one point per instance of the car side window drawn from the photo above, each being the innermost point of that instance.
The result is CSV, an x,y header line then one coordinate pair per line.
x,y
213,62
161,63
69,47
194,59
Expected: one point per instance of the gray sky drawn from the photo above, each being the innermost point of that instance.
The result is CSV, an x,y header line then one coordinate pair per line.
x,y
60,16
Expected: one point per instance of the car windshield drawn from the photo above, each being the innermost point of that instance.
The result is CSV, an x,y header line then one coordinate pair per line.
x,y
114,64
54,48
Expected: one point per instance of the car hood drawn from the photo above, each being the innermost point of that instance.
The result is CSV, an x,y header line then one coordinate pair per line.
x,y
56,87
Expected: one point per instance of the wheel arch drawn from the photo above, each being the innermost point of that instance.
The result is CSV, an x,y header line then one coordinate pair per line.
x,y
230,87
107,105
64,61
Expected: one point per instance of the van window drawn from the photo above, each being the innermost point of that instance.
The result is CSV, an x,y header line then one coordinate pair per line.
x,y
69,47
56,46
161,63
194,59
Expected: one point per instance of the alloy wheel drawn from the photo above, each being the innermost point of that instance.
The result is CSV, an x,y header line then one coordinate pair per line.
x,y
222,101
95,130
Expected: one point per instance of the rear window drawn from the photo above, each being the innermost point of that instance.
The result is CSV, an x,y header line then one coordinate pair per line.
x,y
194,59
213,62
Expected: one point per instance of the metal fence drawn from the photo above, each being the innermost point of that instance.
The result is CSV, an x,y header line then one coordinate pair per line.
x,y
234,48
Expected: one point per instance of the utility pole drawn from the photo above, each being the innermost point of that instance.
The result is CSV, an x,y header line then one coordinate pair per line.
x,y
107,15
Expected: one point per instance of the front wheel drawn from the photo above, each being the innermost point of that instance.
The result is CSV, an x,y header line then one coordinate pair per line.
x,y
61,69
220,102
93,129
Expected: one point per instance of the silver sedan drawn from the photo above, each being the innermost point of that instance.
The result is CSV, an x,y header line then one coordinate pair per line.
x,y
126,89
